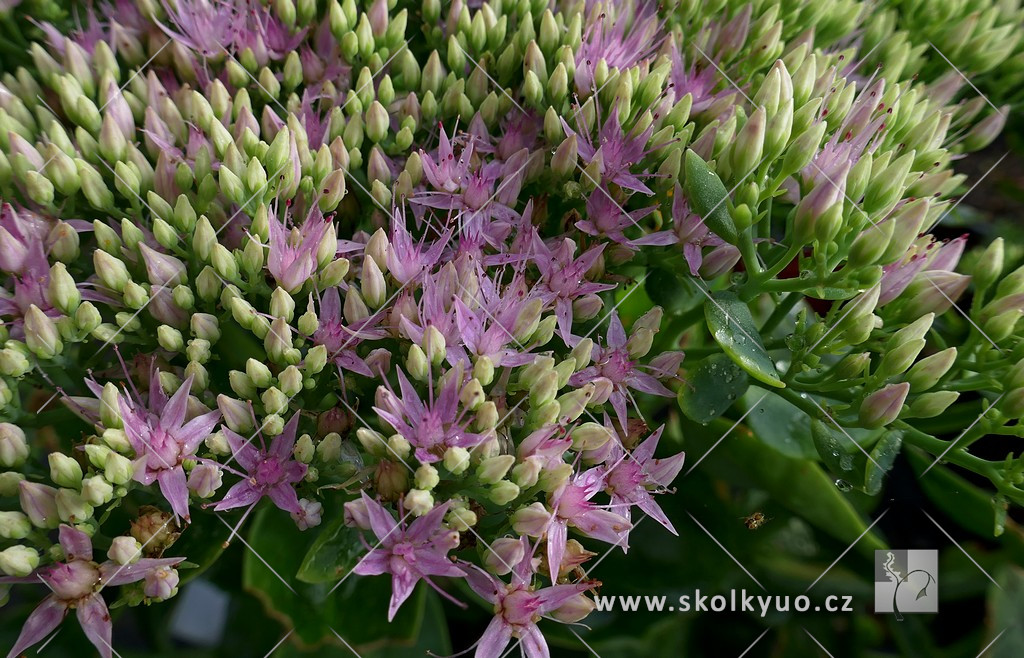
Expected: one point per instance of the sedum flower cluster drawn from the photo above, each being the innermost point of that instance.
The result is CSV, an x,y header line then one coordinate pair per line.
x,y
373,261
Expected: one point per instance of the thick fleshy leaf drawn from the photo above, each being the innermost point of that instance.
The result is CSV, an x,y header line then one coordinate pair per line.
x,y
707,196
711,388
733,328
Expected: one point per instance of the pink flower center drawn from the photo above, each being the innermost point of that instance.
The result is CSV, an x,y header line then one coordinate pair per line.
x,y
74,580
617,365
519,606
164,450
268,471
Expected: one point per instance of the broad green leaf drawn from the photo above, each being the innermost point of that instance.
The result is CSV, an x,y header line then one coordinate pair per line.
x,y
673,293
884,456
779,423
1005,604
800,485
708,197
712,388
357,610
335,552
733,328
839,454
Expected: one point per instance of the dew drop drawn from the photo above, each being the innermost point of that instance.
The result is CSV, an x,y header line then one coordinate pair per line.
x,y
844,486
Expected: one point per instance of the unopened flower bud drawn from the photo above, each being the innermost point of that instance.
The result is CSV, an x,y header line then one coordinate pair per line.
x,y
13,446
64,471
456,460
117,469
97,491
72,507
532,520
932,404
503,492
18,561
493,469
883,406
161,583
204,480
124,550
14,525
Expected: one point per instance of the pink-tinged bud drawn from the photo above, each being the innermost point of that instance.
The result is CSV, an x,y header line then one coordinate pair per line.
x,y
720,261
883,406
986,130
162,269
74,580
161,583
237,415
308,515
603,389
532,520
204,480
934,291
586,307
503,554
907,222
118,109
124,550
13,446
826,193
12,252
575,609
72,507
356,514
39,502
41,335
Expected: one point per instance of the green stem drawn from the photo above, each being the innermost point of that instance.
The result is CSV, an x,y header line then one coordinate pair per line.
x,y
781,311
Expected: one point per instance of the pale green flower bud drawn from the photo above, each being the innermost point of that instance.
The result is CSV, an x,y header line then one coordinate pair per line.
x,y
278,340
18,561
434,345
928,371
426,477
110,407
97,491
9,481
486,416
117,469
315,360
418,502
116,440
72,507
41,335
372,441
373,285
111,271
531,520
572,404
14,525
124,550
543,388
64,471
483,370
932,404
503,492
493,469
259,374
456,460
170,338
590,436
304,450
274,401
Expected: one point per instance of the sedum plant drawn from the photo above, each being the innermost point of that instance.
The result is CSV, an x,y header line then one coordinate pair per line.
x,y
419,279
